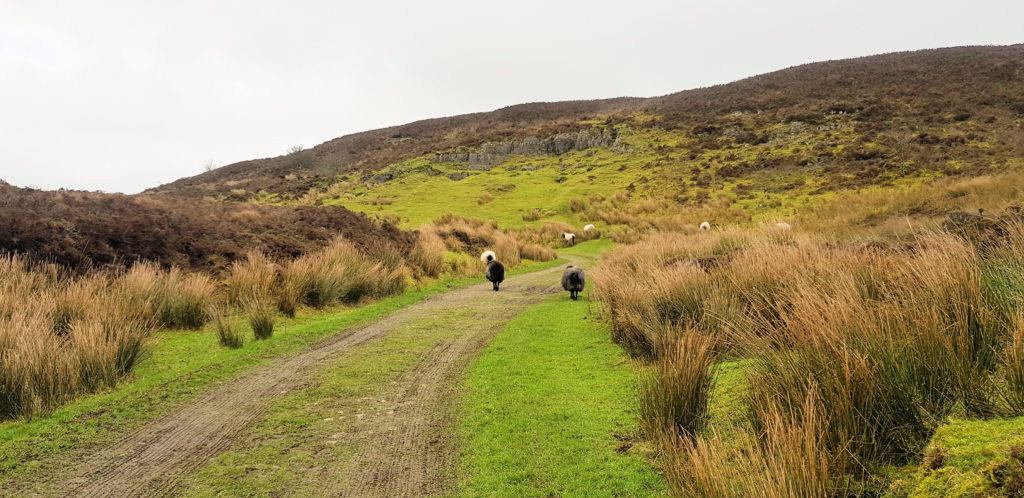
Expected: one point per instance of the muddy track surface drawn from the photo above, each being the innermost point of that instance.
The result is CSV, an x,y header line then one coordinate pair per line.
x,y
413,451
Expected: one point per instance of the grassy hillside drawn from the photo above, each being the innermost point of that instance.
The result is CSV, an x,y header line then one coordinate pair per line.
x,y
762,146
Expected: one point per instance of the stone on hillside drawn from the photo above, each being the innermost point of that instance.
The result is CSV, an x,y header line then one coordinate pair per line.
x,y
458,175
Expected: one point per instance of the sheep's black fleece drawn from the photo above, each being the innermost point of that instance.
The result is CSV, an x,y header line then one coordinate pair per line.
x,y
495,273
573,280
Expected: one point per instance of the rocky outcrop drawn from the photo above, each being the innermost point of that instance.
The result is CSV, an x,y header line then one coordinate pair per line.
x,y
458,175
490,154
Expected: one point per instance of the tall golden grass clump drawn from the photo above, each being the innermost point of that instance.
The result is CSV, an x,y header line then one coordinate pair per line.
x,y
60,338
340,272
788,461
261,312
1013,390
255,275
887,337
533,214
537,252
175,299
428,254
229,334
674,394
252,285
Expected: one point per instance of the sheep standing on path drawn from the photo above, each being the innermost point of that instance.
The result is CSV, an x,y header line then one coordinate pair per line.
x,y
495,270
570,238
573,281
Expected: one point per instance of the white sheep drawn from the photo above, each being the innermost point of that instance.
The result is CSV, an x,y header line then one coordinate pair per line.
x,y
488,256
705,226
589,228
570,238
782,225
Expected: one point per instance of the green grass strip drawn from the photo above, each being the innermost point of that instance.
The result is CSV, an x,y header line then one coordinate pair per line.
x,y
550,410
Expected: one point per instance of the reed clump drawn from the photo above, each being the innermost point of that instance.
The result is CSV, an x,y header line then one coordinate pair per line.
x,y
61,337
887,336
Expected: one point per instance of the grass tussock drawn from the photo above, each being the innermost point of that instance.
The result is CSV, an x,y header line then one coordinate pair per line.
x,y
60,338
261,314
175,299
887,336
341,273
674,394
537,252
229,333
1013,388
428,254
788,461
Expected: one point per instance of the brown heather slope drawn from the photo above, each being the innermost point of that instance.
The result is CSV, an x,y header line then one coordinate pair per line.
x,y
84,230
915,93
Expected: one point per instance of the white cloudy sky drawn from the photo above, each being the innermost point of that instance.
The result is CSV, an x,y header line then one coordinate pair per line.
x,y
125,95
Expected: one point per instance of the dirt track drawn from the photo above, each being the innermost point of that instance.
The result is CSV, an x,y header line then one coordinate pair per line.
x,y
411,452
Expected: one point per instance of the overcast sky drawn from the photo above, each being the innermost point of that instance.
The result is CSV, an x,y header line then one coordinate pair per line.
x,y
124,95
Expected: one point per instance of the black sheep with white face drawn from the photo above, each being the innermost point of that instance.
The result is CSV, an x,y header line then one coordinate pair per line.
x,y
495,271
573,280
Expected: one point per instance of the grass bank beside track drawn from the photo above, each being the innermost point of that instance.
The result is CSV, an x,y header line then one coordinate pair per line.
x,y
180,365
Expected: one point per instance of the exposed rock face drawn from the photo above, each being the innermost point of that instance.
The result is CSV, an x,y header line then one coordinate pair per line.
x,y
490,154
378,178
458,175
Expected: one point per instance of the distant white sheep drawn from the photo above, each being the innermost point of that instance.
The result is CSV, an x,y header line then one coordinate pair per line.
x,y
589,228
705,226
488,256
783,226
570,238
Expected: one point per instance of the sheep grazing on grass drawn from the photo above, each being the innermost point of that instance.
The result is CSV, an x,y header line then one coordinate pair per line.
x,y
589,228
495,270
570,238
783,226
705,226
573,281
